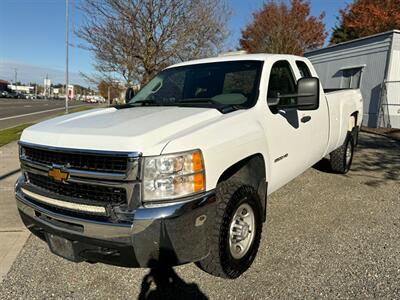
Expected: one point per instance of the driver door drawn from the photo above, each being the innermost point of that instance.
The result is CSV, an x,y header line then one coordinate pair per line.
x,y
288,139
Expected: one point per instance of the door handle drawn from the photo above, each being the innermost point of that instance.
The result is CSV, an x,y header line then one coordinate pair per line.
x,y
305,119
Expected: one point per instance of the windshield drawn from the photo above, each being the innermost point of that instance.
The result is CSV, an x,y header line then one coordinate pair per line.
x,y
222,84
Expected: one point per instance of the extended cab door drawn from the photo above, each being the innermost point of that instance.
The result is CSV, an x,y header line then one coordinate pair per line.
x,y
288,138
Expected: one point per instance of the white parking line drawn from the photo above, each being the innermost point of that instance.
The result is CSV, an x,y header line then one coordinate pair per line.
x,y
36,113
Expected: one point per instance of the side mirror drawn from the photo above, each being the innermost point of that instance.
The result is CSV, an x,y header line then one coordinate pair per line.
x,y
129,94
308,93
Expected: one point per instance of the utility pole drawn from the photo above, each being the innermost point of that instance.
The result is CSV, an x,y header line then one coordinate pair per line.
x,y
46,87
15,78
66,56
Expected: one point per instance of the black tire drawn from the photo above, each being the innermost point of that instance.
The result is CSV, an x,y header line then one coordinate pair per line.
x,y
220,262
340,162
355,132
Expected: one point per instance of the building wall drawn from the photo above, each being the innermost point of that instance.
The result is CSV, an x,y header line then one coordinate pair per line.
x,y
372,53
21,88
392,86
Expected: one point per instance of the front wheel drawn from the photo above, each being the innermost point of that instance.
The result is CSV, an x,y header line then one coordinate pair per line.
x,y
342,157
237,231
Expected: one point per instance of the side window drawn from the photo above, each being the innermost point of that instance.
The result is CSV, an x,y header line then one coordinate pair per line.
x,y
304,70
351,78
282,82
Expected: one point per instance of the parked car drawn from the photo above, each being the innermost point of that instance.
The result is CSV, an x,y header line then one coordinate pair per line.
x,y
183,171
16,95
30,96
4,94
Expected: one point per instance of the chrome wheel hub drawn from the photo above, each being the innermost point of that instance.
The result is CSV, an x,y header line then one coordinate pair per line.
x,y
348,154
241,232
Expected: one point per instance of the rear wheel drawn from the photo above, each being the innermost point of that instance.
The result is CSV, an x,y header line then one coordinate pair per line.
x,y
342,157
237,231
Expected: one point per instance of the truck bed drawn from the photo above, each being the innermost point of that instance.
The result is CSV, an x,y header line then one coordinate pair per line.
x,y
341,104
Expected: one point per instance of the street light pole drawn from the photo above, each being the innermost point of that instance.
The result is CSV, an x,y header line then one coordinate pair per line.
x,y
66,56
15,79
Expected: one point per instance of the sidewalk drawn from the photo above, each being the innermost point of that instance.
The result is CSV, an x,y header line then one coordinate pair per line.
x,y
13,234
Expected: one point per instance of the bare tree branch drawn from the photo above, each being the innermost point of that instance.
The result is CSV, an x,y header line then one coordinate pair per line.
x,y
135,39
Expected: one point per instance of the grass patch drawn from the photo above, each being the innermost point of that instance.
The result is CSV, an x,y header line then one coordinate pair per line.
x,y
12,134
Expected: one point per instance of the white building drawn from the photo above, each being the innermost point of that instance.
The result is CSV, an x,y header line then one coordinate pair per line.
x,y
370,63
21,88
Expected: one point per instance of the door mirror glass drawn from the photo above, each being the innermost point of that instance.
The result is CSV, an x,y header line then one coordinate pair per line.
x,y
306,97
129,94
308,93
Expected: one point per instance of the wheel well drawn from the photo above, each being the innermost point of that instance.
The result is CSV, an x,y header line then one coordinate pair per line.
x,y
251,171
353,128
355,116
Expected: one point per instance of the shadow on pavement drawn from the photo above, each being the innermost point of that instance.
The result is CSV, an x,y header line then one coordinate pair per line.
x,y
380,155
375,155
323,165
164,283
9,174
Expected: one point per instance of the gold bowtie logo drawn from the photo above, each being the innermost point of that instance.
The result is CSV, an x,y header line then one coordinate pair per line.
x,y
58,175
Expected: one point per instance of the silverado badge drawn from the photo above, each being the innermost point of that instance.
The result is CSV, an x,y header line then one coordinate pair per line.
x,y
58,175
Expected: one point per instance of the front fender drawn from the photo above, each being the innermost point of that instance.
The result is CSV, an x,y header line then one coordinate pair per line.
x,y
225,142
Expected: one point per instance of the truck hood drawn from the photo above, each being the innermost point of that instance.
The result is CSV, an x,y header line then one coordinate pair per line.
x,y
141,129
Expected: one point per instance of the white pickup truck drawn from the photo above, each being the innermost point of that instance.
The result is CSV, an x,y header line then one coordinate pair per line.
x,y
182,172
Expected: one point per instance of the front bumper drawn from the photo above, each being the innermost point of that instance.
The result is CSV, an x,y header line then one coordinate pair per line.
x,y
170,234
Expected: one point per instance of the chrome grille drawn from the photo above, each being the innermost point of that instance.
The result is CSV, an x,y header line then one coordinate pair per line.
x,y
80,192
80,161
99,178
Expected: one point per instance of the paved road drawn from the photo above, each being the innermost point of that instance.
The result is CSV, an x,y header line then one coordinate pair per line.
x,y
327,236
18,111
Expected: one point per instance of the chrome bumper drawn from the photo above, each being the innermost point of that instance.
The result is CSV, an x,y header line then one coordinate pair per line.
x,y
173,234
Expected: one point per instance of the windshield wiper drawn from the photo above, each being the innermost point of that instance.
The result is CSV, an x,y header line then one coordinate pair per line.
x,y
139,102
223,108
199,100
145,102
196,102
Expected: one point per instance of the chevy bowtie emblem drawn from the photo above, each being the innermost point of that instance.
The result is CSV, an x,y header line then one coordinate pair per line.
x,y
58,175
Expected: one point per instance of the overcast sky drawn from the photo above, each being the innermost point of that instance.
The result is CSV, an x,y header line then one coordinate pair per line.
x,y
32,36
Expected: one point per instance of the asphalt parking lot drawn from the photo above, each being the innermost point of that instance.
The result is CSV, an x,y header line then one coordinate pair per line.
x,y
17,111
327,236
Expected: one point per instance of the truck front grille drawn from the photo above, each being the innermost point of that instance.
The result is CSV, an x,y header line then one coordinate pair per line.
x,y
80,161
80,192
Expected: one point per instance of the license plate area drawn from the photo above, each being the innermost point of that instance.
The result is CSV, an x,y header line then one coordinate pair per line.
x,y
62,247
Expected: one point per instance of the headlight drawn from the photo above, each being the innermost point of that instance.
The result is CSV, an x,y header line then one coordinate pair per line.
x,y
173,175
21,151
